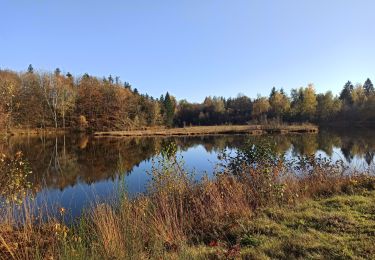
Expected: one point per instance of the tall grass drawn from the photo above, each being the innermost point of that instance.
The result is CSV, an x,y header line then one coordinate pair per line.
x,y
177,212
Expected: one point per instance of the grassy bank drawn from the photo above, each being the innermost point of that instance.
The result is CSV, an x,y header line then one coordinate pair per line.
x,y
257,211
185,131
336,227
340,225
211,130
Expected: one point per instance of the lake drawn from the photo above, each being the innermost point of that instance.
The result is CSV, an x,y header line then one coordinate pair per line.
x,y
74,171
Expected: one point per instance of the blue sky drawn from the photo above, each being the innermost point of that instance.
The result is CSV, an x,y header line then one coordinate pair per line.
x,y
195,48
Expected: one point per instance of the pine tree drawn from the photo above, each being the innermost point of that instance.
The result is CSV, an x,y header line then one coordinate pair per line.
x,y
273,92
57,72
110,79
169,110
346,93
30,69
127,85
369,87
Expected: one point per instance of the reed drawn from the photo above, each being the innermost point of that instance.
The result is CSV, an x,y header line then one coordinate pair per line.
x,y
252,212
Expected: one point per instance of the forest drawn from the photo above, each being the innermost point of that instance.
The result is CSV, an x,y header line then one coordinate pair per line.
x,y
39,100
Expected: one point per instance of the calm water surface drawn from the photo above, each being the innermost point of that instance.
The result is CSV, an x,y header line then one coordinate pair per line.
x,y
74,171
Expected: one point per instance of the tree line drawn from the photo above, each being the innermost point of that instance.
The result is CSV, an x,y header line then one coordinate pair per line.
x,y
33,99
355,104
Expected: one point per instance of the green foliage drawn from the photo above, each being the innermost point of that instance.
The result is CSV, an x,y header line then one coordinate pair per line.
x,y
280,104
168,172
346,93
369,87
254,154
328,106
249,240
304,103
30,69
169,108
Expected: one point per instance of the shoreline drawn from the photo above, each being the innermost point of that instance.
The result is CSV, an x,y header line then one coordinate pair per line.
x,y
212,130
178,131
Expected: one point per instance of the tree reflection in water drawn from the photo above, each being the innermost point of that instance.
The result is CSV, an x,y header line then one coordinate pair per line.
x,y
63,161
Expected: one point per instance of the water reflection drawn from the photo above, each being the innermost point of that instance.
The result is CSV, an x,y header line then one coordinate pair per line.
x,y
67,166
59,162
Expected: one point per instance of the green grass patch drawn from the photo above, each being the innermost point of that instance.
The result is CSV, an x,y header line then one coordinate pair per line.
x,y
339,227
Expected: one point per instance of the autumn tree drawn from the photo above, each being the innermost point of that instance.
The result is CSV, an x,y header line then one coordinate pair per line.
x,y
261,106
9,89
303,105
328,106
280,104
68,97
358,96
31,98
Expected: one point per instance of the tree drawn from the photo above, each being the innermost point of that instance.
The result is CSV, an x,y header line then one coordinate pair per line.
x,y
260,108
309,103
346,94
273,92
328,106
280,104
303,105
127,85
49,85
169,109
57,72
68,98
9,90
31,98
359,96
30,69
110,79
369,87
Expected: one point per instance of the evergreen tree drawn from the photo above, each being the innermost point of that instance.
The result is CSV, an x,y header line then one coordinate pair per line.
x,y
169,110
346,93
127,85
110,79
273,92
30,69
369,87
57,72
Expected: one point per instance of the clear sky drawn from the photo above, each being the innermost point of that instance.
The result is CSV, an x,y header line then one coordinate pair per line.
x,y
195,48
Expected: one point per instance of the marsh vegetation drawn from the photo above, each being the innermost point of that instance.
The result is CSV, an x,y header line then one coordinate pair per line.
x,y
258,202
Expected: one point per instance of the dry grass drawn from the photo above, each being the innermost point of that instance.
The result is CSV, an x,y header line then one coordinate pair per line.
x,y
210,130
221,217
